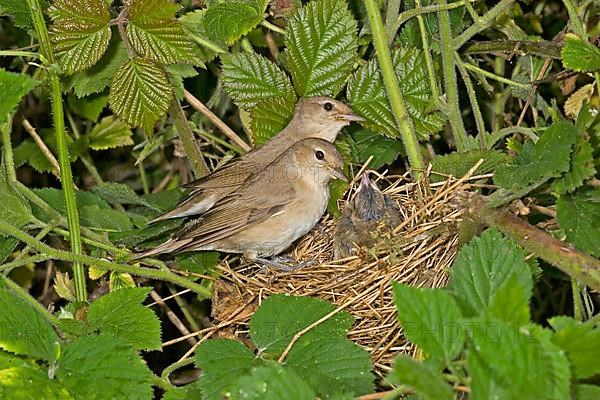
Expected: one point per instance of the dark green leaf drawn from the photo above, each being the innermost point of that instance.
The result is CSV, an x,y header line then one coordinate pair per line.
x,y
581,342
458,164
321,47
15,210
119,193
121,314
104,219
269,117
12,88
28,152
384,150
109,133
579,55
229,21
582,168
430,319
89,107
578,215
426,381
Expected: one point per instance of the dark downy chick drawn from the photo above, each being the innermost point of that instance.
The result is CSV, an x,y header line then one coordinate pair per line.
x,y
361,219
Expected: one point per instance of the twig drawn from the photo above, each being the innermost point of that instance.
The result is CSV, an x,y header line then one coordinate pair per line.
x,y
172,316
187,139
45,150
216,121
8,153
533,89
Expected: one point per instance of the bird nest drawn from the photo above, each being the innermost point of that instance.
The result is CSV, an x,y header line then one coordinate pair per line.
x,y
419,252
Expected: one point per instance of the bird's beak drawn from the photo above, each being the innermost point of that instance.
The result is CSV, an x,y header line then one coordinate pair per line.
x,y
338,173
350,117
366,181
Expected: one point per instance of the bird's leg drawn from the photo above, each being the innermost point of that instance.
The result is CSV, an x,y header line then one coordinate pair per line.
x,y
284,263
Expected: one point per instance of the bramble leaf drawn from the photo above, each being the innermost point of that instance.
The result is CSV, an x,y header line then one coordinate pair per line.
x,y
229,21
578,215
423,378
19,11
369,98
80,32
458,164
15,209
250,78
13,87
269,117
581,342
140,93
581,168
579,55
321,45
271,382
89,107
119,193
109,133
155,34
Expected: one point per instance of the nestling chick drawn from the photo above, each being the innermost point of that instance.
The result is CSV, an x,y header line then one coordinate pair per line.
x,y
361,219
319,117
270,210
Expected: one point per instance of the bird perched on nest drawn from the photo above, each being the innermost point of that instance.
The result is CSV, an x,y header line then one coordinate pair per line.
x,y
362,217
270,210
320,117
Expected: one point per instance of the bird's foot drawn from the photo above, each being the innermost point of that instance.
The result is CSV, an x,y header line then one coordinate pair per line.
x,y
284,263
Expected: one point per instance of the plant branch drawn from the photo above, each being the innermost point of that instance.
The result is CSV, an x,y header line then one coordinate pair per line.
x,y
63,152
582,267
474,103
574,19
45,150
19,291
8,153
482,23
188,140
390,80
495,77
544,48
273,27
427,53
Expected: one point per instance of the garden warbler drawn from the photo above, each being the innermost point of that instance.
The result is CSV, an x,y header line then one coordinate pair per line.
x,y
362,217
319,117
270,210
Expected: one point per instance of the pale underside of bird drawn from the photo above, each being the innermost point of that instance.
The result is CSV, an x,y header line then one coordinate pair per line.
x,y
270,210
319,117
369,211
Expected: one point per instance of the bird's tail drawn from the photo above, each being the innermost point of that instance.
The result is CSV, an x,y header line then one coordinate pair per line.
x,y
195,204
170,246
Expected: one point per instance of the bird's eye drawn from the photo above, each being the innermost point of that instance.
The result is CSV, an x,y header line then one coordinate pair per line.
x,y
319,155
328,106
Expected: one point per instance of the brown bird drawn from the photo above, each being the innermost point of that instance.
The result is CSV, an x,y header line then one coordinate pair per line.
x,y
270,210
361,219
320,117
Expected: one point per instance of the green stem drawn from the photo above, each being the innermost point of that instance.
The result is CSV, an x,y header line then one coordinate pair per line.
x,y
206,43
18,53
390,80
9,266
574,19
473,100
577,306
482,23
451,86
19,291
496,136
143,178
495,77
61,142
62,255
273,27
187,139
427,52
8,153
175,366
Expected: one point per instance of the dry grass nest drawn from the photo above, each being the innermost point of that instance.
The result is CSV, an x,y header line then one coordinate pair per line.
x,y
419,253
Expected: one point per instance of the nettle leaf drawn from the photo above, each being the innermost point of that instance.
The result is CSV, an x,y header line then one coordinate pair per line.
x,y
430,319
427,382
269,117
579,55
222,362
13,87
229,21
458,164
24,330
367,94
280,317
271,382
119,193
80,32
97,78
536,163
578,215
140,93
582,168
321,46
483,266
332,366
154,32
581,342
109,133
249,78
120,313
100,367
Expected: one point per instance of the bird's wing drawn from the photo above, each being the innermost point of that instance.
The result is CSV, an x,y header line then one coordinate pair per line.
x,y
233,214
233,173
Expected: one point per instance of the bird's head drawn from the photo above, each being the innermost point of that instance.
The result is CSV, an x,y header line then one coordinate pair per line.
x,y
318,160
322,117
369,203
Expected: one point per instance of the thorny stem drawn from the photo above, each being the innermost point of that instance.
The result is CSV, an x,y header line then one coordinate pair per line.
x,y
498,78
482,23
187,139
474,103
63,152
403,119
427,53
8,154
19,291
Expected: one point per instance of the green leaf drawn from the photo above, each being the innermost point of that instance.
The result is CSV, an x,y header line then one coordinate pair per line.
x,y
28,152
155,231
100,367
24,331
229,21
280,317
109,133
269,117
483,266
483,381
384,150
578,215
581,168
321,45
222,361
194,24
332,366
458,164
272,382
19,12
430,319
535,164
199,262
97,78
423,378
12,88
559,375
119,193
80,32
510,303
140,93
104,219
250,78
367,94
56,199
120,313
514,359
155,34
89,107
581,342
586,392
15,209
8,244
177,73
579,55
24,380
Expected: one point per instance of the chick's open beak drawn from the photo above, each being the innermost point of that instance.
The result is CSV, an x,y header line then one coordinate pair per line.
x,y
338,173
